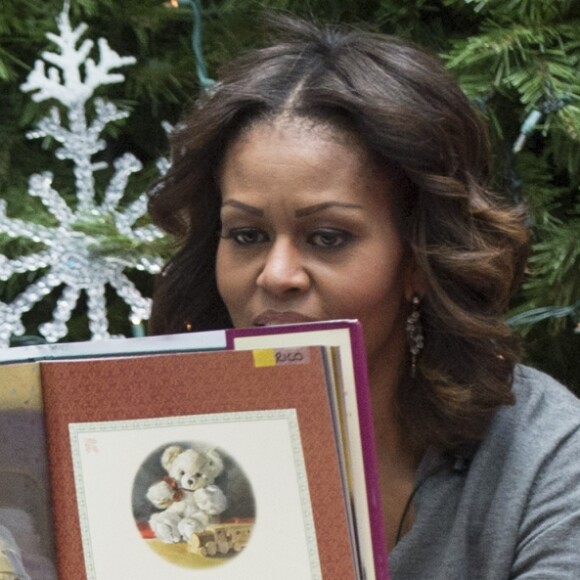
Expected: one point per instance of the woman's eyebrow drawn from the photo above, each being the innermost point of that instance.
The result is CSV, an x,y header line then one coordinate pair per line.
x,y
244,207
305,211
302,212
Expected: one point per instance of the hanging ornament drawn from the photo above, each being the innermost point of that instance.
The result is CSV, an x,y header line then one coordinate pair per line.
x,y
90,247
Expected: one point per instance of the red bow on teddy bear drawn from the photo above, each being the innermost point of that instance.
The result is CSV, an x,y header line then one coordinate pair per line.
x,y
177,491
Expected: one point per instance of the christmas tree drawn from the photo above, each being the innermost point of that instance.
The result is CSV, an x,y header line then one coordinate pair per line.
x,y
516,59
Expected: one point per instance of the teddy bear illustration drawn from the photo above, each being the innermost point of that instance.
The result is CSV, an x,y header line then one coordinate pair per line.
x,y
187,495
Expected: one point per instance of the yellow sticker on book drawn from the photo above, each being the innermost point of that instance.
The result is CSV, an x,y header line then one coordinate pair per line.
x,y
265,357
269,357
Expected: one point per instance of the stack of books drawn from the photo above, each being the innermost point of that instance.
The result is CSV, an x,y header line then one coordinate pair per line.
x,y
242,453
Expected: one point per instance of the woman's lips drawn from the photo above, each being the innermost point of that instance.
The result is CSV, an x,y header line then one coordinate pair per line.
x,y
272,317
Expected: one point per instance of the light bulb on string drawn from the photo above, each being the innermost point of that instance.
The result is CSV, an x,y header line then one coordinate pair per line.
x,y
549,106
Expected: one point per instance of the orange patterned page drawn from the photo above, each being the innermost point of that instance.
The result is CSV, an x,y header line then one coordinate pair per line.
x,y
265,411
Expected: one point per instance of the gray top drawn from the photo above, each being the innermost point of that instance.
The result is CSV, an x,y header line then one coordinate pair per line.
x,y
513,512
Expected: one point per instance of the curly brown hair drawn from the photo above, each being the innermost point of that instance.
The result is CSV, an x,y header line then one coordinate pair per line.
x,y
470,243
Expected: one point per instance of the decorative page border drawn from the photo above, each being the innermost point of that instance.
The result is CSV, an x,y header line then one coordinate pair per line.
x,y
283,424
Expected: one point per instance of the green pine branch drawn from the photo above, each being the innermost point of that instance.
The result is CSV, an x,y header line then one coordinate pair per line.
x,y
512,57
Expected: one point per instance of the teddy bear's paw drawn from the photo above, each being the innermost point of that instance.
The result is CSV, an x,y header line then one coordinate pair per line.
x,y
161,495
165,527
211,499
167,533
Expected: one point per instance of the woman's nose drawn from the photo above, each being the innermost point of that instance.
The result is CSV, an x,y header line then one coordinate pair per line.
x,y
283,270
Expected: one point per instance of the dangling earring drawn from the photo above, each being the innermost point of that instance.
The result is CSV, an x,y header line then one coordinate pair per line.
x,y
415,333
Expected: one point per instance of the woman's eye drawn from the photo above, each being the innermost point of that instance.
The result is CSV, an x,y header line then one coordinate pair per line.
x,y
329,238
246,236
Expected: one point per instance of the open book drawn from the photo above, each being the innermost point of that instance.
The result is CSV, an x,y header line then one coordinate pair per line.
x,y
173,454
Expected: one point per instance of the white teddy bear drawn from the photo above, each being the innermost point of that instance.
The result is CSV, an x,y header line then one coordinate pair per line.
x,y
188,496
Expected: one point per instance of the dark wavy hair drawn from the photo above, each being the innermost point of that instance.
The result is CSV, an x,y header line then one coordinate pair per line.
x,y
471,245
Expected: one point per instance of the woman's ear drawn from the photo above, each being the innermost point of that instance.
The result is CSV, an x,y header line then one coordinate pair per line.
x,y
415,282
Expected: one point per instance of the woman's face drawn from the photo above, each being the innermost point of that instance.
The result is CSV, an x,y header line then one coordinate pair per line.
x,y
309,233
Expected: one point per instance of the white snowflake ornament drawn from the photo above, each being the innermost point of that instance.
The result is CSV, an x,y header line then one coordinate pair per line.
x,y
10,323
73,258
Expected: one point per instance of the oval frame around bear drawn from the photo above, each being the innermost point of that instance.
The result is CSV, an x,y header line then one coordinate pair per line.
x,y
196,535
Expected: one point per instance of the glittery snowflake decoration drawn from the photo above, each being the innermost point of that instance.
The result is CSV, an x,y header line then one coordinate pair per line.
x,y
72,256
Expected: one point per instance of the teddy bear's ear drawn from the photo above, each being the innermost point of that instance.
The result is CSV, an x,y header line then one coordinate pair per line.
x,y
216,461
169,456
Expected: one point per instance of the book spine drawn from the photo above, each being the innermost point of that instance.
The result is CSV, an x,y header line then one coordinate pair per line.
x,y
369,452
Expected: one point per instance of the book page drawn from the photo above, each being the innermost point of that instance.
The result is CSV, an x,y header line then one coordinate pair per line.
x,y
337,337
169,389
116,463
25,523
